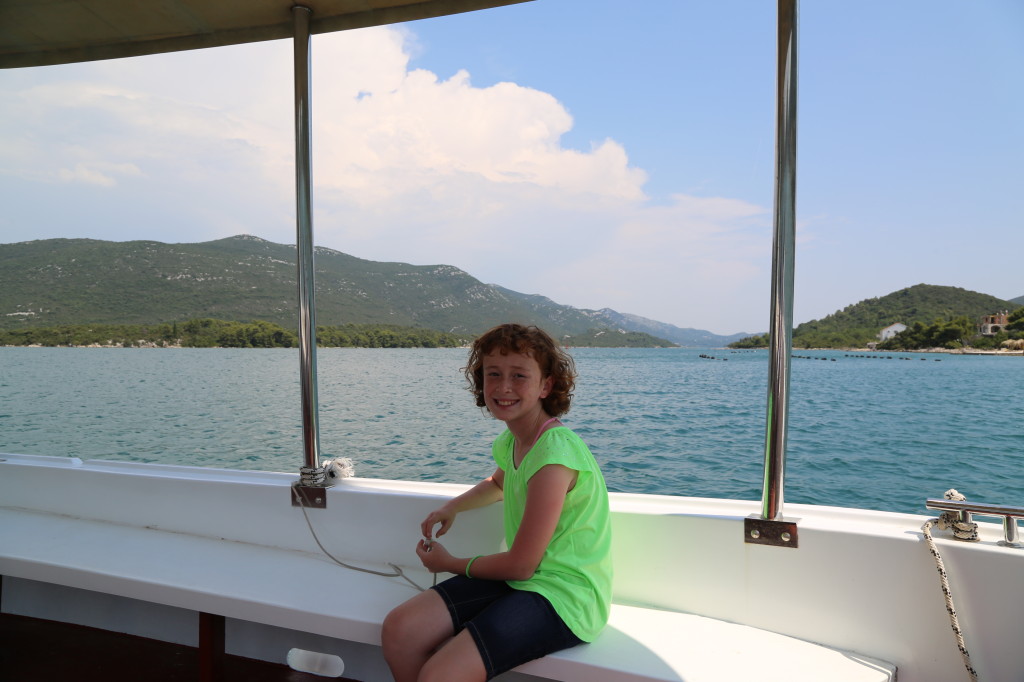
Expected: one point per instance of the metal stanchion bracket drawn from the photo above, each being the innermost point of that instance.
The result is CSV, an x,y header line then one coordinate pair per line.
x,y
309,496
777,533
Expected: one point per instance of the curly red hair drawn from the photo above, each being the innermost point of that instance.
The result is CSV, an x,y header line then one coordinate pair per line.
x,y
534,342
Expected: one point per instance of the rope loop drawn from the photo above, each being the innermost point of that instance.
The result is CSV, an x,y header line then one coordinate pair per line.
x,y
312,476
950,520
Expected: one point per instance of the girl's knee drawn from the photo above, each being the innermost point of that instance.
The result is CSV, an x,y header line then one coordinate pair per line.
x,y
417,622
396,625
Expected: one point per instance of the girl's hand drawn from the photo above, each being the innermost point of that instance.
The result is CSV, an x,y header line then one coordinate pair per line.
x,y
434,556
445,516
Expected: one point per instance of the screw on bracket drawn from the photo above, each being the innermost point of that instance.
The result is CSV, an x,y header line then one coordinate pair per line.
x,y
309,496
777,533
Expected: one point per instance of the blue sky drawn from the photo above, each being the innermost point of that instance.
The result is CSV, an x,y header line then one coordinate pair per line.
x,y
562,148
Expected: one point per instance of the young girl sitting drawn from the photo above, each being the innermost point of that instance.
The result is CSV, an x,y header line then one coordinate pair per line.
x,y
551,590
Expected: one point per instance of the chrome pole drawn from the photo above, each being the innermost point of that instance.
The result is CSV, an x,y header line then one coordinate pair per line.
x,y
304,240
781,329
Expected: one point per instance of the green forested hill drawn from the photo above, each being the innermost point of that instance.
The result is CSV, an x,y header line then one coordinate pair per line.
x,y
860,323
50,283
68,281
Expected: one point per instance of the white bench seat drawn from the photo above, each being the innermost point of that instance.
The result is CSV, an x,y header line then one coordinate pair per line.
x,y
309,593
649,644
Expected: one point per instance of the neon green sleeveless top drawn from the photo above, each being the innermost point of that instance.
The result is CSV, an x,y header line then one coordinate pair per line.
x,y
575,573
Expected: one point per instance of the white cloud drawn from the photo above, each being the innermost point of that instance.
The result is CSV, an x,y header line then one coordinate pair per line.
x,y
90,132
406,167
415,132
679,263
101,174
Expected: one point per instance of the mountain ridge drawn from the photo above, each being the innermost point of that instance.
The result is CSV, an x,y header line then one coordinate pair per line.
x,y
70,281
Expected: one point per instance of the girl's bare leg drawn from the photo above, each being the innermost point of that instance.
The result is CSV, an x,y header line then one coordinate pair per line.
x,y
412,632
457,661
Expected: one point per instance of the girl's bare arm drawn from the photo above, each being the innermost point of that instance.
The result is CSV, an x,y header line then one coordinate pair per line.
x,y
544,500
487,491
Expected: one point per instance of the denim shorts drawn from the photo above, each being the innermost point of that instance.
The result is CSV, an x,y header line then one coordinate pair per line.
x,y
509,626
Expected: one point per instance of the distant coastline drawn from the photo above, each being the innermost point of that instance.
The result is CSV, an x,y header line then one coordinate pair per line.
x,y
867,352
936,351
149,345
214,333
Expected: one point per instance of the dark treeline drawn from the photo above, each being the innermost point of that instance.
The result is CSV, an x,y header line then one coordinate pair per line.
x,y
611,338
385,336
210,333
956,333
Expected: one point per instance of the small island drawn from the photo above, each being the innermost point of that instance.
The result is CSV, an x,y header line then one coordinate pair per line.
x,y
922,317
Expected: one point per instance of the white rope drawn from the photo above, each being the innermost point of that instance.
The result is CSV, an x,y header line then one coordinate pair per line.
x,y
963,531
398,572
342,467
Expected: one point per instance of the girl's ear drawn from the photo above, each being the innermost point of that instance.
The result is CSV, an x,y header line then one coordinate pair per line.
x,y
546,388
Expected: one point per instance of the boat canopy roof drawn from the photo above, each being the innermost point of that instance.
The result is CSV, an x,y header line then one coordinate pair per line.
x,y
46,32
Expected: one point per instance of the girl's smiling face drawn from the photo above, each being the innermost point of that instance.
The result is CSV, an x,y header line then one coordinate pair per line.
x,y
513,387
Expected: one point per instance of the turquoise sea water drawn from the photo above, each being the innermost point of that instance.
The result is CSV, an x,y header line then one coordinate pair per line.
x,y
882,432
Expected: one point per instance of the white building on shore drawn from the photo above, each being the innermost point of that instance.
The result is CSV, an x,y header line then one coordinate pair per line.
x,y
891,331
993,324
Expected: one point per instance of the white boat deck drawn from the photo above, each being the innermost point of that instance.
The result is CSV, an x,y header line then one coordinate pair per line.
x,y
258,584
692,601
